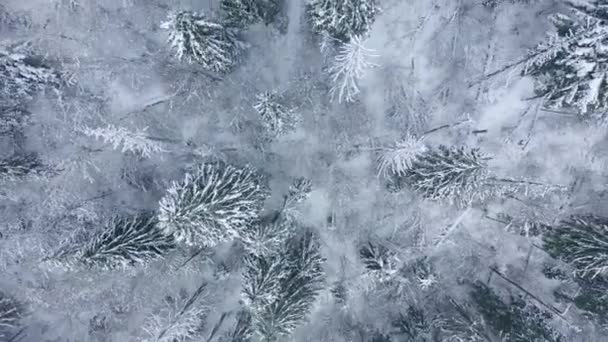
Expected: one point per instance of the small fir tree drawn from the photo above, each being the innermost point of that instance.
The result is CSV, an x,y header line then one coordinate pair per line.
x,y
197,40
215,203
456,174
570,67
125,242
21,77
342,19
581,241
378,260
298,192
276,118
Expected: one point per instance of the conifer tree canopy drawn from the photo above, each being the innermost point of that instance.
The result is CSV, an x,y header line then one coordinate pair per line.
x,y
213,204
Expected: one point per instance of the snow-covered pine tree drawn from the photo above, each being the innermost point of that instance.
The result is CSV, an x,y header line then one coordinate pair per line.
x,y
124,242
13,120
581,241
514,320
20,166
239,13
348,68
137,142
456,174
215,203
261,280
570,67
243,13
342,19
286,285
265,238
11,312
276,118
21,77
196,39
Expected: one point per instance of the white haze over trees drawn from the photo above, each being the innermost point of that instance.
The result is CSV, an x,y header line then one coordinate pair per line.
x,y
313,170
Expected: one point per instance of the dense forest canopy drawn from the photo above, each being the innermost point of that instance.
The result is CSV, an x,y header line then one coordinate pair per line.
x,y
313,170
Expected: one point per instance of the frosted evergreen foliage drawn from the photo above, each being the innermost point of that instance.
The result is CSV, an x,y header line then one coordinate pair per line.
x,y
581,241
342,19
395,160
414,325
299,191
459,323
240,13
265,239
13,120
261,280
423,274
124,242
347,70
276,118
198,40
243,13
136,142
179,320
11,312
570,67
21,77
514,320
213,204
456,174
21,166
241,332
280,289
378,260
